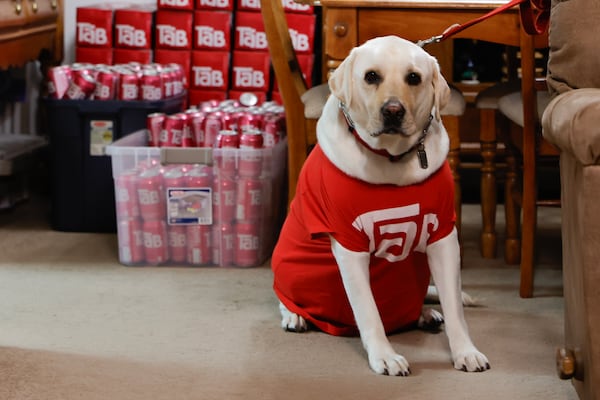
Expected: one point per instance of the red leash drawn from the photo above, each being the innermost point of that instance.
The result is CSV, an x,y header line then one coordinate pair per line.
x,y
535,16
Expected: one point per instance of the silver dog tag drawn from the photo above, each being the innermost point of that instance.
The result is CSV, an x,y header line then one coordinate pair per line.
x,y
422,155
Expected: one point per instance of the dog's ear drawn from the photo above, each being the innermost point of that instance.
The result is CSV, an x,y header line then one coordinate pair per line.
x,y
340,80
440,88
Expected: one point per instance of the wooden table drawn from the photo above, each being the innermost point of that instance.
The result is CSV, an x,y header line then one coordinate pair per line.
x,y
348,23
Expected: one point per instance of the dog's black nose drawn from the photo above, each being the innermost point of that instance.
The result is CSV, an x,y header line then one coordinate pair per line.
x,y
393,112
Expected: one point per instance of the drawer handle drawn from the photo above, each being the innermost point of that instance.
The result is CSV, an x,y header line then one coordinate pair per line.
x,y
18,7
34,6
53,4
340,29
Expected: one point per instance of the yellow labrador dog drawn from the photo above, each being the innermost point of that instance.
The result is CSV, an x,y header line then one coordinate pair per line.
x,y
373,217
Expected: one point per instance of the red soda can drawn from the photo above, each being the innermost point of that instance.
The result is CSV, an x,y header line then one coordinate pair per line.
x,y
272,130
151,86
126,200
223,243
155,123
212,127
249,203
199,248
58,81
106,84
82,85
172,134
250,158
128,85
251,120
247,244
224,199
187,138
174,178
151,194
131,242
229,120
177,243
156,248
196,125
226,157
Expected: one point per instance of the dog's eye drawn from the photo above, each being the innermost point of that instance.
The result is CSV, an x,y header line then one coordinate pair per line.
x,y
372,78
413,79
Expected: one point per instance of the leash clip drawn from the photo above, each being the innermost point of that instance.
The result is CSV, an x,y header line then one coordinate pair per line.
x,y
433,39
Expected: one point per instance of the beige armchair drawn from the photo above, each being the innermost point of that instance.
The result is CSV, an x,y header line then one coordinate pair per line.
x,y
572,122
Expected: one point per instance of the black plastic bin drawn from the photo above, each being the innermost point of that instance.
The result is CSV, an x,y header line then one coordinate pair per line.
x,y
83,197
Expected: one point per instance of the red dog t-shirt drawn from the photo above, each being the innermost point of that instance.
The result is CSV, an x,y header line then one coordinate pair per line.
x,y
394,224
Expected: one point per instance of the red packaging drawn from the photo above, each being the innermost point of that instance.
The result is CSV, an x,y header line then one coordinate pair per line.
x,y
58,81
224,199
174,30
247,244
223,243
225,5
94,55
249,203
302,31
248,5
151,194
151,85
131,240
210,70
128,87
155,123
133,27
156,247
82,85
94,26
172,133
126,200
175,4
198,240
199,96
250,70
106,84
125,56
178,57
212,30
177,243
291,6
250,32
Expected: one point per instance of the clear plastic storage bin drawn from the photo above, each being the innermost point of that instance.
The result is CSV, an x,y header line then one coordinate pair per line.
x,y
196,206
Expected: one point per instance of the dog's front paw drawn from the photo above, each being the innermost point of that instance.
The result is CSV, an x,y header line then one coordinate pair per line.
x,y
388,362
292,322
471,361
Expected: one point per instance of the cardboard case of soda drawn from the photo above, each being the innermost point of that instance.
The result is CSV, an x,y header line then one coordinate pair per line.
x,y
196,206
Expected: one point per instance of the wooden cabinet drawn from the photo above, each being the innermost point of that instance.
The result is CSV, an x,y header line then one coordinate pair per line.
x,y
30,30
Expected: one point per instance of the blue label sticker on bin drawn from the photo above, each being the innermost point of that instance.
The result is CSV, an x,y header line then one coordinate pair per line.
x,y
189,206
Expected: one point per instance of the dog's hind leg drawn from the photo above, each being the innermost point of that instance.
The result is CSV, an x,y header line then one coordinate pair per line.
x,y
430,320
290,321
433,297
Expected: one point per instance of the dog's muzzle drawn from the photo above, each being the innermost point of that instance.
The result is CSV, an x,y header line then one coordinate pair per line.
x,y
393,113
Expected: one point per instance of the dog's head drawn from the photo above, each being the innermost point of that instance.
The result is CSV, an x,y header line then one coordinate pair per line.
x,y
390,87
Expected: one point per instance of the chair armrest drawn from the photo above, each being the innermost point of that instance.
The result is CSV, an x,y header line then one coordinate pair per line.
x,y
572,122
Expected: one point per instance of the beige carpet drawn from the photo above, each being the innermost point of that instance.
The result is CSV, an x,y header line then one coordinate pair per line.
x,y
75,324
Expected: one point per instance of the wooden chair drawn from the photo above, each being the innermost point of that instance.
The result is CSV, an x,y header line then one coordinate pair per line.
x,y
303,105
526,152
